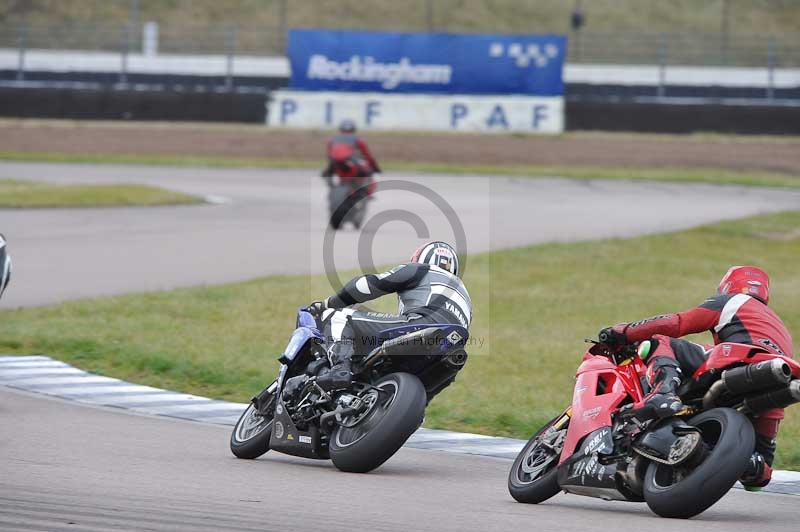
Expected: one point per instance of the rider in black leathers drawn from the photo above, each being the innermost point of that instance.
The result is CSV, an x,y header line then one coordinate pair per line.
x,y
428,289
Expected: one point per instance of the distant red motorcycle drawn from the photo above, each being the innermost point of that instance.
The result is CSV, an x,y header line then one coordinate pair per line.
x,y
610,446
349,179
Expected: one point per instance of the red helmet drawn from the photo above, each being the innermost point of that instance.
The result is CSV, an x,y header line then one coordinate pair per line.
x,y
746,280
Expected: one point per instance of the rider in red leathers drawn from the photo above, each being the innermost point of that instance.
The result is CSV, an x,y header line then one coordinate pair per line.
x,y
349,156
738,313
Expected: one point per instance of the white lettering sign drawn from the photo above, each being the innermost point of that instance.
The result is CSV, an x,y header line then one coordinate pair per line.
x,y
366,69
417,112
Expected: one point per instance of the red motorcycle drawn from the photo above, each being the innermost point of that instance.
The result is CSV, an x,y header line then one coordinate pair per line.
x,y
610,446
348,186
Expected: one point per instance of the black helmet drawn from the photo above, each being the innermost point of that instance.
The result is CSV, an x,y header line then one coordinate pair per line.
x,y
5,265
347,126
439,254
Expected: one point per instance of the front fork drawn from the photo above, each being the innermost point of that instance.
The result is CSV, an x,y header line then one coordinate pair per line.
x,y
260,400
562,421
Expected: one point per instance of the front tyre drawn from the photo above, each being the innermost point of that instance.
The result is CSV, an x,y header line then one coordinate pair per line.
x,y
686,490
394,410
534,475
251,434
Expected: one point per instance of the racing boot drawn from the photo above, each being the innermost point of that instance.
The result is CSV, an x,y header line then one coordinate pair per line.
x,y
341,374
758,473
759,469
338,377
664,377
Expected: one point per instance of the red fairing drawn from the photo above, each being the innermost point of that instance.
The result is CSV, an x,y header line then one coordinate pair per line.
x,y
727,354
592,410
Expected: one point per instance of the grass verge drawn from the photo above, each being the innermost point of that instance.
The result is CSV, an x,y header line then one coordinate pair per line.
x,y
688,175
27,194
541,302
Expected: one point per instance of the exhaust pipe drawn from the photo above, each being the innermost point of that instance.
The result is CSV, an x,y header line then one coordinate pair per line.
x,y
456,359
756,377
773,399
406,344
743,380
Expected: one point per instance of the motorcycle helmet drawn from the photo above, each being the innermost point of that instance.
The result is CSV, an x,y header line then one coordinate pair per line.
x,y
746,280
439,254
347,126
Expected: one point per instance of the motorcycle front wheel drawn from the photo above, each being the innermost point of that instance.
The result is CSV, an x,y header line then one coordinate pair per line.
x,y
534,475
685,490
251,434
394,409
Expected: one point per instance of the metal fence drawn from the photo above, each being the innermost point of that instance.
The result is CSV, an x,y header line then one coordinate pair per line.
x,y
778,51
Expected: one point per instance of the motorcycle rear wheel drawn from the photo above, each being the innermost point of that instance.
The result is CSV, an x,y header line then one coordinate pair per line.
x,y
686,490
534,475
366,441
336,219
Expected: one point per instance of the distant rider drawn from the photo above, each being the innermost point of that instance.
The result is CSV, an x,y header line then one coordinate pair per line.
x,y
738,313
428,288
5,265
349,156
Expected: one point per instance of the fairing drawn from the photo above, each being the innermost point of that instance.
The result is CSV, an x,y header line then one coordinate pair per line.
x,y
727,354
600,389
305,319
583,474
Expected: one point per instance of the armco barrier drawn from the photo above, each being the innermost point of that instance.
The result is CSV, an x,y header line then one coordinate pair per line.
x,y
678,117
110,104
683,117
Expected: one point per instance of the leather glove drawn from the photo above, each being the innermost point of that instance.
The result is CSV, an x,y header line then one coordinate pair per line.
x,y
613,336
316,308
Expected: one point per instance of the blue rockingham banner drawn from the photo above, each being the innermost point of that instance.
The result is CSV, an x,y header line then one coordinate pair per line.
x,y
445,63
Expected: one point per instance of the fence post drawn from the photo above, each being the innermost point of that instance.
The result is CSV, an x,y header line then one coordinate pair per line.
x,y
231,53
22,38
282,17
771,61
126,41
578,48
150,39
724,32
662,64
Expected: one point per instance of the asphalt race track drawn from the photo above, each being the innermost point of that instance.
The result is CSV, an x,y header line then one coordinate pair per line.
x,y
275,223
67,466
72,467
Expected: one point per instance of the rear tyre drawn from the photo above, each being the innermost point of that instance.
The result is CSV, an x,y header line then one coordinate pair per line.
x,y
340,203
688,489
336,219
534,475
251,434
365,441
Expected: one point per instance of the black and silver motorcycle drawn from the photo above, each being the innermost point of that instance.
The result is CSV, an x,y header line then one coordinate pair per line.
x,y
362,426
